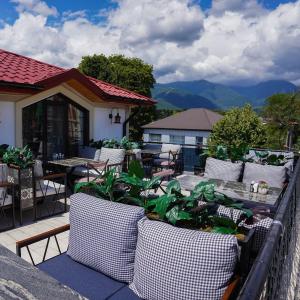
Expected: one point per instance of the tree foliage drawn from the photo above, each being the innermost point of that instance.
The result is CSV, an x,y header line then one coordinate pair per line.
x,y
129,73
282,112
238,129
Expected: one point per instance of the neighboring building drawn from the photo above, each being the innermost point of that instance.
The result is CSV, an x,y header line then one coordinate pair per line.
x,y
190,127
56,110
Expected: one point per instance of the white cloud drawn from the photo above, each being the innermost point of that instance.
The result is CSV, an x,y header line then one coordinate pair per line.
x,y
234,41
35,6
248,8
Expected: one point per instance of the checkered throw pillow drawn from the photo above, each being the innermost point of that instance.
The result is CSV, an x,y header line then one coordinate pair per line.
x,y
103,235
225,170
261,229
227,212
176,263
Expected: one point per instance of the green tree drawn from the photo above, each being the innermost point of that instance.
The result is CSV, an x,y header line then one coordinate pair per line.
x,y
282,113
129,73
238,129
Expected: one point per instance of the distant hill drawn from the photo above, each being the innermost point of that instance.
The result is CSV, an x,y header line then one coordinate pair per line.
x,y
202,93
179,99
261,91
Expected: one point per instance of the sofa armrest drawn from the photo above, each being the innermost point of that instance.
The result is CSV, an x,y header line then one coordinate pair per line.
x,y
231,288
39,237
53,176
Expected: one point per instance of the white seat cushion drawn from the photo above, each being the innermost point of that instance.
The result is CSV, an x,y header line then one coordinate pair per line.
x,y
114,156
97,155
166,148
274,176
224,170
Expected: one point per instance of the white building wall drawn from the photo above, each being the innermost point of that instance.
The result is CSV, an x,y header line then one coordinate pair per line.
x,y
190,135
104,127
7,123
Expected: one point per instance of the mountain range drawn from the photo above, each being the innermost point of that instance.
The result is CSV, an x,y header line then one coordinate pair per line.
x,y
206,94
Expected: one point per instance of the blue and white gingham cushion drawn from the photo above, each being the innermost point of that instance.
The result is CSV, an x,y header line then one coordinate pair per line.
x,y
261,229
227,212
103,235
220,169
176,263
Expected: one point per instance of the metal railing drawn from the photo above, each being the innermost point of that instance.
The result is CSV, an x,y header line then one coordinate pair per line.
x,y
275,271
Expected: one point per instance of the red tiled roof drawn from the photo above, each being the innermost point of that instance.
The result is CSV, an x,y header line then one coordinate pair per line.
x,y
19,69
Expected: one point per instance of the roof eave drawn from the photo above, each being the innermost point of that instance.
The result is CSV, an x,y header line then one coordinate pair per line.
x,y
75,74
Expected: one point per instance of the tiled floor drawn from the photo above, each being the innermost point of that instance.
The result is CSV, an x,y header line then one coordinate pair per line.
x,y
9,238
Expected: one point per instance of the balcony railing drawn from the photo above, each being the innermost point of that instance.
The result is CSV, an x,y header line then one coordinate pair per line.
x,y
276,269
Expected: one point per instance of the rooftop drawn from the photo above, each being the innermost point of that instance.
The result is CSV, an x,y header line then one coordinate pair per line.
x,y
22,70
191,119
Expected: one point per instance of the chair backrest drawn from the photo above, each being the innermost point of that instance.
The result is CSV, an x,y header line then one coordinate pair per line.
x,y
3,172
97,154
38,168
114,156
167,148
137,153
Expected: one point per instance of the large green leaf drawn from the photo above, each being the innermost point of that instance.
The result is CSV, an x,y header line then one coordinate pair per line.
x,y
175,214
224,230
135,169
162,204
173,186
204,190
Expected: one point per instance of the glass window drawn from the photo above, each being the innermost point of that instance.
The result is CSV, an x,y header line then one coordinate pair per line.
x,y
177,139
199,140
155,137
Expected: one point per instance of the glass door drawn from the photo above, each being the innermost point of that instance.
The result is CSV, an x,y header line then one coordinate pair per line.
x,y
55,126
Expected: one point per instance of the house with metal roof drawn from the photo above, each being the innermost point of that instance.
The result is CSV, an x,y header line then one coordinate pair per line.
x,y
56,110
190,127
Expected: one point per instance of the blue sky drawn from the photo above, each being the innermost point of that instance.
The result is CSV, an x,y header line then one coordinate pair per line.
x,y
92,7
226,41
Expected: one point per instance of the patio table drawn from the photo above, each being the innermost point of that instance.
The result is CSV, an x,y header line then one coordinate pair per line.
x,y
20,280
70,165
150,152
237,191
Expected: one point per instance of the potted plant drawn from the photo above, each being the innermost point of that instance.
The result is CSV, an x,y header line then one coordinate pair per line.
x,y
18,157
263,188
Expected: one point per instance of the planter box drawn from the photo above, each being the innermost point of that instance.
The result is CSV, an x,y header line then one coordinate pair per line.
x,y
24,181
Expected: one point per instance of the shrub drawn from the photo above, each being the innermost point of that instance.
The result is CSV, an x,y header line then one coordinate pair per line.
x,y
237,131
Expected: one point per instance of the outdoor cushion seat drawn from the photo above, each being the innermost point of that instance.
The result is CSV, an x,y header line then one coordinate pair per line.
x,y
84,280
158,161
176,263
103,235
274,176
166,148
224,170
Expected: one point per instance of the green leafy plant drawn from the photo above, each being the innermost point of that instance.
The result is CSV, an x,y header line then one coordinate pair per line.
x,y
111,143
21,157
128,145
96,144
106,190
270,159
238,130
234,154
129,188
178,209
